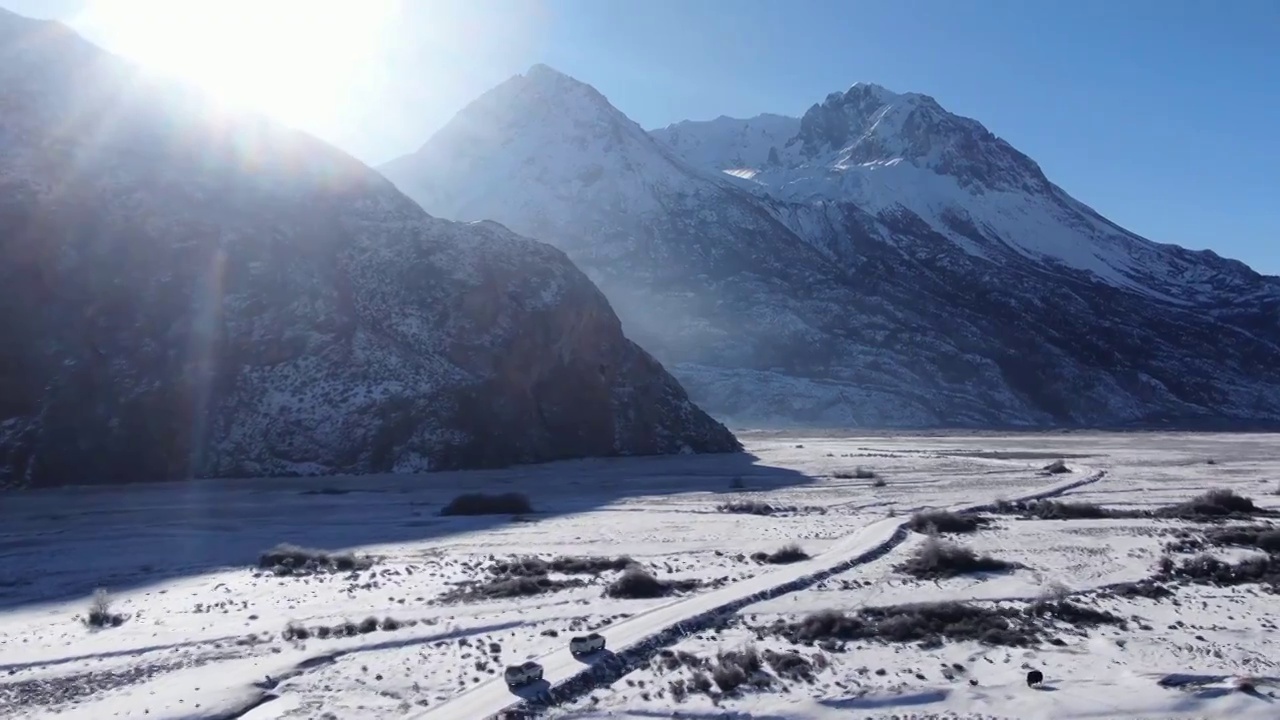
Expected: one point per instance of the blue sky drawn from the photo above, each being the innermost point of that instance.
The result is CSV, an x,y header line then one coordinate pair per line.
x,y
1164,116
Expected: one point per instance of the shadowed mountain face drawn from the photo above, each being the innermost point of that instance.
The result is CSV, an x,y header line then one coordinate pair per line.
x,y
189,292
878,261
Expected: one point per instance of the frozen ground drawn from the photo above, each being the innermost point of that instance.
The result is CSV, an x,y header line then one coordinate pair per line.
x,y
203,631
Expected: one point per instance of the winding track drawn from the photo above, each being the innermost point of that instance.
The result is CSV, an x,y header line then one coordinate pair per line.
x,y
641,636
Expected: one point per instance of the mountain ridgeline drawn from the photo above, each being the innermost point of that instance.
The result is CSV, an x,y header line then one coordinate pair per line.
x,y
186,292
878,261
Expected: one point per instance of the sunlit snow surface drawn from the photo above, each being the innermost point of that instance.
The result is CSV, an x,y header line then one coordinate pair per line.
x,y
203,629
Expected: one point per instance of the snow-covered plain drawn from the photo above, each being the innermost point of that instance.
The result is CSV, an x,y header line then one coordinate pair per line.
x,y
203,630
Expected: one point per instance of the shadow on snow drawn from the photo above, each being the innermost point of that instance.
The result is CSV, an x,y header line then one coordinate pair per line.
x,y
59,544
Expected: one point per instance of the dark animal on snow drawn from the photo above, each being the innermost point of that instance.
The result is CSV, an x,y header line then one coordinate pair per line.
x,y
1035,677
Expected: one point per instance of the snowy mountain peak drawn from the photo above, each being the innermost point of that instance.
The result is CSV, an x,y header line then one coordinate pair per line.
x,y
541,95
557,136
545,80
880,93
904,158
869,124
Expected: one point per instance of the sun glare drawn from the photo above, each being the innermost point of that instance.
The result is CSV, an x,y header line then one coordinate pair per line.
x,y
296,60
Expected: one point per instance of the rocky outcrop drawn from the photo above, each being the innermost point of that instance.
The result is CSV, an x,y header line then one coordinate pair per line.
x,y
185,292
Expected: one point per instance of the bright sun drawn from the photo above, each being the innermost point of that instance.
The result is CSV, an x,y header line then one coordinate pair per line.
x,y
297,60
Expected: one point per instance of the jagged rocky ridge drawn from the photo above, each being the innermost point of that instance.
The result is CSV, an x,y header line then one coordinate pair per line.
x,y
879,261
186,292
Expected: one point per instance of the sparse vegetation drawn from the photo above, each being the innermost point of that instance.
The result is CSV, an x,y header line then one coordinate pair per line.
x,y
100,615
1214,504
511,503
1057,467
944,521
674,659
782,556
297,631
732,670
759,507
936,559
530,575
1150,589
508,586
288,559
637,583
1055,510
794,666
1208,570
752,507
935,622
858,473
735,668
1262,537
532,566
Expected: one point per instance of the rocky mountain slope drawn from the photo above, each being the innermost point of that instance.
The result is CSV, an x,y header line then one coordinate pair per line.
x,y
186,292
879,261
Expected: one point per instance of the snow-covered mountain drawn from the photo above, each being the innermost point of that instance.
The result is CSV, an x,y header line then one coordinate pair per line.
x,y
878,261
890,153
187,292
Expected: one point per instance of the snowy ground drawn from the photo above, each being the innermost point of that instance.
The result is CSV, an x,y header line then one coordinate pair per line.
x,y
203,629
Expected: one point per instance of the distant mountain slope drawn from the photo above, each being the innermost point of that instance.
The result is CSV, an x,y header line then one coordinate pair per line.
x,y
878,261
185,292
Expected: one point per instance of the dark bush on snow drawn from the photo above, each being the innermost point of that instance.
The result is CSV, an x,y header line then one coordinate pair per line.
x,y
100,615
564,564
1149,589
1055,510
934,622
782,556
945,521
289,559
1072,614
637,583
528,575
1262,537
735,668
914,623
790,665
508,586
675,659
1208,570
754,507
1212,505
511,503
936,559
1216,503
